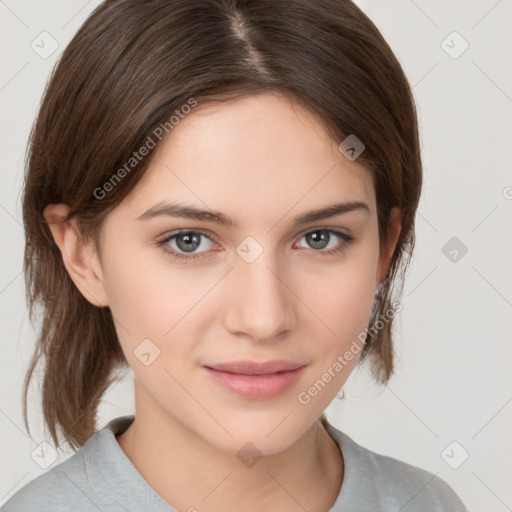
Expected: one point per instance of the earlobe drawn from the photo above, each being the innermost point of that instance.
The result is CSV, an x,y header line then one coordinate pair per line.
x,y
79,256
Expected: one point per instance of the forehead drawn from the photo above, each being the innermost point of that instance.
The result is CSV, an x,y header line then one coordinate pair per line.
x,y
254,154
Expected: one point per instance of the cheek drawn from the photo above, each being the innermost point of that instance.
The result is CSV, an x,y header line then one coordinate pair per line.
x,y
345,314
340,296
134,287
152,298
338,329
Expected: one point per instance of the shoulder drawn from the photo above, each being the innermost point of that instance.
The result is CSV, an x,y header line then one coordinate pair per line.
x,y
98,476
61,488
411,487
390,483
82,483
95,477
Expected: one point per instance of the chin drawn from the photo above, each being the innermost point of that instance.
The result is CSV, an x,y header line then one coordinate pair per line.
x,y
269,433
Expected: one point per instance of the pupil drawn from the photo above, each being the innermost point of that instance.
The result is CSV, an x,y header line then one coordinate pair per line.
x,y
189,242
318,241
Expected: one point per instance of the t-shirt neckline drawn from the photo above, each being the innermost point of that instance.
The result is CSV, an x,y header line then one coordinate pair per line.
x,y
105,461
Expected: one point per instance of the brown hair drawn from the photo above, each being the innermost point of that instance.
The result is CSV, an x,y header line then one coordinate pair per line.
x,y
130,66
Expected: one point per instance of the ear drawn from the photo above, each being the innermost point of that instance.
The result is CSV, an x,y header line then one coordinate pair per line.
x,y
80,257
386,253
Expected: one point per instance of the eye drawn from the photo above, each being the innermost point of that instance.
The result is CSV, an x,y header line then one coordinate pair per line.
x,y
321,239
181,245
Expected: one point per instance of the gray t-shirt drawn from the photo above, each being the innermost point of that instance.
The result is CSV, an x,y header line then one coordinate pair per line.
x,y
100,477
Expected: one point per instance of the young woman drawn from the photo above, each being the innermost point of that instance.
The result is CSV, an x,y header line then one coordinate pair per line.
x,y
220,195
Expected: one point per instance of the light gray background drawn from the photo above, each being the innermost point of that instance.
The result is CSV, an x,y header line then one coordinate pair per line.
x,y
453,380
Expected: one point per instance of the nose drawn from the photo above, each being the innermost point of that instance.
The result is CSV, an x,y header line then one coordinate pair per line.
x,y
261,300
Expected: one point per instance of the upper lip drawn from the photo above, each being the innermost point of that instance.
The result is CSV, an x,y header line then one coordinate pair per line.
x,y
255,367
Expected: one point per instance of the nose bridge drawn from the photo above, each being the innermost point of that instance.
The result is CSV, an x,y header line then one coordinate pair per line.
x,y
261,303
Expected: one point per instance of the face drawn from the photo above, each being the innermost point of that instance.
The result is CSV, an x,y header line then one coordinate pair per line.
x,y
191,293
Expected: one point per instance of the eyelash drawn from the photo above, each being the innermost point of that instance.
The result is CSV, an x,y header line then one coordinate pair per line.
x,y
347,239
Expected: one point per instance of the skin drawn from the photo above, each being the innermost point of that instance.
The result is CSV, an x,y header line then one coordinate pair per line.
x,y
262,161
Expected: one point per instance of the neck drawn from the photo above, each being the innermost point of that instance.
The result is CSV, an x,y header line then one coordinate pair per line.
x,y
189,473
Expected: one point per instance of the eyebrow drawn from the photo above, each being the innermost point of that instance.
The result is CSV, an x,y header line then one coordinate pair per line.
x,y
164,208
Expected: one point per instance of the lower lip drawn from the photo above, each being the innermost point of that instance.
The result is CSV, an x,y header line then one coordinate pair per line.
x,y
259,387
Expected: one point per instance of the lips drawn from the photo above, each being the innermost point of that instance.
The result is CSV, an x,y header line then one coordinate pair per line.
x,y
256,380
255,367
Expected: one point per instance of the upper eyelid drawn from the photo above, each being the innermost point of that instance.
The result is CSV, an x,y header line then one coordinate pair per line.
x,y
212,238
171,234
